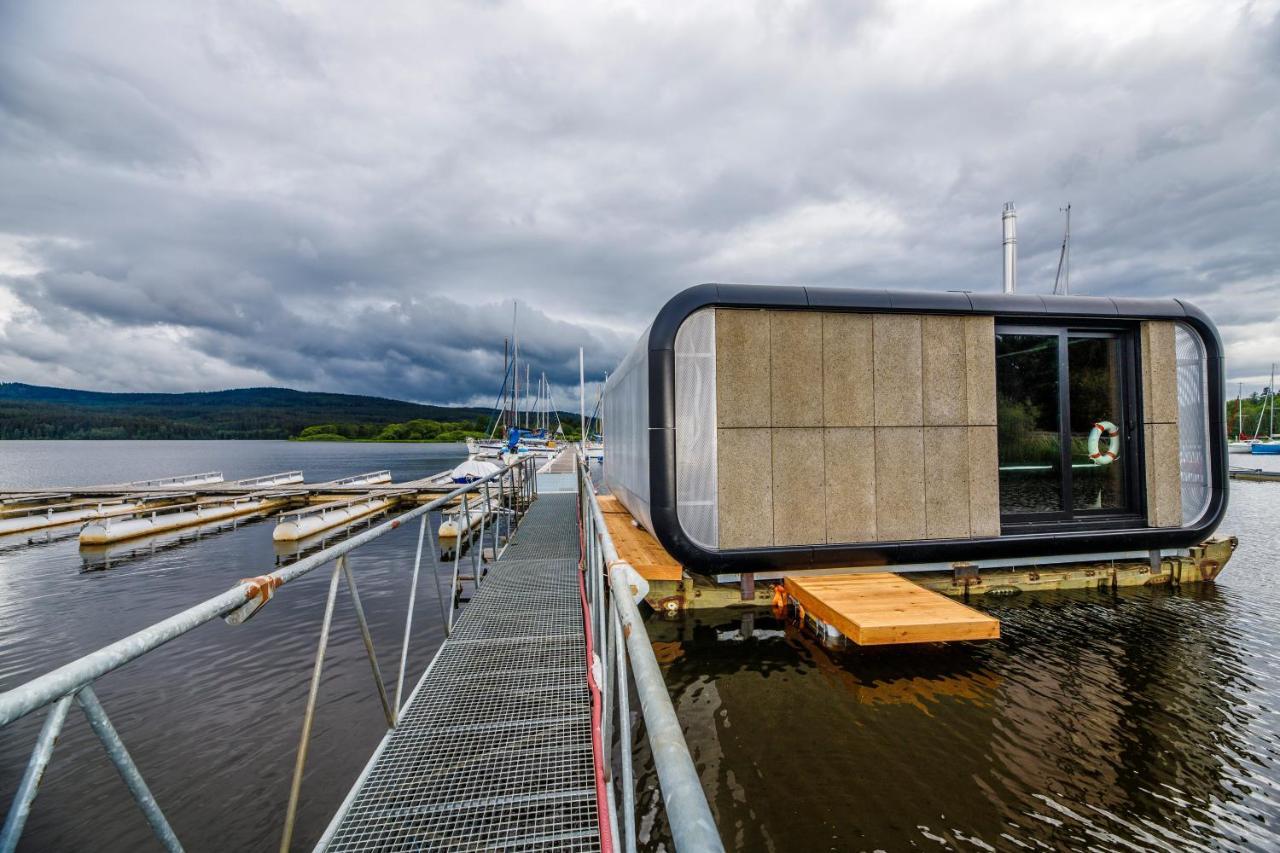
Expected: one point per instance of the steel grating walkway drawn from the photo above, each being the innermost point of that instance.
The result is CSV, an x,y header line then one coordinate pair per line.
x,y
494,750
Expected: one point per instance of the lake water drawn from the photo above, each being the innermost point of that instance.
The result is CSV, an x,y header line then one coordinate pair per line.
x,y
1141,720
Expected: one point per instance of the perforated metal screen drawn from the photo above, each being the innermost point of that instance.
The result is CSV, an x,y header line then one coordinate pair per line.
x,y
626,432
695,388
1193,422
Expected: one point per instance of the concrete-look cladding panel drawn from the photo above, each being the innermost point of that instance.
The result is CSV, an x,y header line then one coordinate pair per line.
x,y
984,482
898,370
744,485
899,483
742,368
799,497
946,398
1164,475
795,347
840,427
980,370
847,371
850,483
946,482
1159,373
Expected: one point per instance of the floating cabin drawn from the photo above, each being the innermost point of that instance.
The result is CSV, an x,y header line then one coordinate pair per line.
x,y
783,430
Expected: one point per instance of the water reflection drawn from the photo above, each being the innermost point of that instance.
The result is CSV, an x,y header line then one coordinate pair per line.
x,y
1098,720
97,558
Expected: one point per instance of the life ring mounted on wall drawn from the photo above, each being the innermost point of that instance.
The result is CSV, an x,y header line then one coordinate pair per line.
x,y
1112,432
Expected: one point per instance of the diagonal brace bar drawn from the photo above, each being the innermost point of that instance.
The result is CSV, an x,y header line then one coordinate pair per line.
x,y
387,710
30,785
128,770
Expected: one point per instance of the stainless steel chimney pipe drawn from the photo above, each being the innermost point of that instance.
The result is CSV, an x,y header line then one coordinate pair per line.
x,y
1009,219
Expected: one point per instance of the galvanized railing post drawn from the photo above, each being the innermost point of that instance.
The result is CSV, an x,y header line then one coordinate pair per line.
x,y
30,784
128,771
624,739
606,690
408,619
295,788
455,592
367,638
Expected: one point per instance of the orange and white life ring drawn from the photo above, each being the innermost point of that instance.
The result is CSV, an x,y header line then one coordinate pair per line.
x,y
1112,432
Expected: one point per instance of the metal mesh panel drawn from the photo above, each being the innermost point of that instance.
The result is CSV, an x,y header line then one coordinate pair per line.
x,y
626,432
494,752
695,368
1193,423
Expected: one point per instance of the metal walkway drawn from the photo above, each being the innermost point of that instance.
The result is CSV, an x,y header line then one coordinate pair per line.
x,y
494,749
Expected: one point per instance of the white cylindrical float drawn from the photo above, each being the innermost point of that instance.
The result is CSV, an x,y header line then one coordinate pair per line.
x,y
106,530
306,523
54,517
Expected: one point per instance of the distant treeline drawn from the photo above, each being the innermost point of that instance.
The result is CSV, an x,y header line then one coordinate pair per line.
x,y
36,412
30,411
418,429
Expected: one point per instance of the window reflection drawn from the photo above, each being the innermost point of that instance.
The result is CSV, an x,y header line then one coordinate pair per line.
x,y
1027,419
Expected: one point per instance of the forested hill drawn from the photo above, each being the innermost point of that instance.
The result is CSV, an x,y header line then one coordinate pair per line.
x,y
32,411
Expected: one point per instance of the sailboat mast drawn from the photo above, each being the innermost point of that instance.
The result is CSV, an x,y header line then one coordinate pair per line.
x,y
515,364
1271,394
1239,409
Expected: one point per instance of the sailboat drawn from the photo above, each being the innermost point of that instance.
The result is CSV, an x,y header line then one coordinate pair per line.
x,y
1269,447
522,418
1241,444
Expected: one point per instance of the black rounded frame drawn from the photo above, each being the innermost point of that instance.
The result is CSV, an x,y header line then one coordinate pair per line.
x,y
1077,310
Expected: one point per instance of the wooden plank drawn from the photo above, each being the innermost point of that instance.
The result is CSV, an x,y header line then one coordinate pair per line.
x,y
637,545
881,608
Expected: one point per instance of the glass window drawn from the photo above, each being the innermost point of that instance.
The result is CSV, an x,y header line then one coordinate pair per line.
x,y
1027,418
1063,423
1095,383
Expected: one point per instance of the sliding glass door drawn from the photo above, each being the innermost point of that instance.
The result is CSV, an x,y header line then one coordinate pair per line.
x,y
1065,424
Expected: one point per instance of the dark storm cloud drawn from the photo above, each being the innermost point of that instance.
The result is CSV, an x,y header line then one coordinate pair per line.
x,y
351,199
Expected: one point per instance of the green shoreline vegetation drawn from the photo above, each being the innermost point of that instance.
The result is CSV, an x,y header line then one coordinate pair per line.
x,y
416,430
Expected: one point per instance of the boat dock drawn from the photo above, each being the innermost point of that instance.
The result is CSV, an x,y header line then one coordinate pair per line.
x,y
493,749
881,608
519,733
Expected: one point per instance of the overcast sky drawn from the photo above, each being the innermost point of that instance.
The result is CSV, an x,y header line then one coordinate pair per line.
x,y
349,196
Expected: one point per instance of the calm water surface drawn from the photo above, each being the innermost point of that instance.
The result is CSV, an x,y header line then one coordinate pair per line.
x,y
212,719
1144,720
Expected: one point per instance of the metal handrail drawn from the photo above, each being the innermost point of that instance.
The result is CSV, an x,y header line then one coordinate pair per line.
x,y
622,639
73,682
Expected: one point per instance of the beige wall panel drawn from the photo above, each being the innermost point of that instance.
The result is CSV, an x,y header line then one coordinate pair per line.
x,y
799,499
1164,476
851,484
742,368
946,482
984,482
898,370
980,372
848,398
795,347
945,398
744,483
899,455
1159,373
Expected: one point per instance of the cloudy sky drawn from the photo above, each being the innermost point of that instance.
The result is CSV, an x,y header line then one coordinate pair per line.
x,y
349,196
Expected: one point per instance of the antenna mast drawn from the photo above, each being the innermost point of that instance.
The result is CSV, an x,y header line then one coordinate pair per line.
x,y
1064,258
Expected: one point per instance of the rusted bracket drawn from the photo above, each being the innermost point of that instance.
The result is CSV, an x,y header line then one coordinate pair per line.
x,y
259,593
965,574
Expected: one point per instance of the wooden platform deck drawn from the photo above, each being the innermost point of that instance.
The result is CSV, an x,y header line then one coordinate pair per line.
x,y
637,545
880,608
